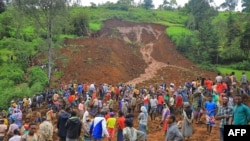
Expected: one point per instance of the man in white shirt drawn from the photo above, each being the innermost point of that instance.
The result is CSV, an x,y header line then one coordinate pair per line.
x,y
16,136
153,107
85,115
218,78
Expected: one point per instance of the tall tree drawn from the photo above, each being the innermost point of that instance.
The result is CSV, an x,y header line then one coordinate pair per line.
x,y
201,10
148,4
246,5
245,40
207,46
168,4
233,29
46,13
229,4
2,6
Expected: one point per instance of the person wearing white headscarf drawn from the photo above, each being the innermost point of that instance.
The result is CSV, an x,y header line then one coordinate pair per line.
x,y
143,121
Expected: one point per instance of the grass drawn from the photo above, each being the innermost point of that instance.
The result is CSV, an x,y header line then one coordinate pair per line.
x,y
176,32
95,26
99,15
224,70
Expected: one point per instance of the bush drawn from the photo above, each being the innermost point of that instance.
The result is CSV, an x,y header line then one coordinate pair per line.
x,y
37,75
208,67
80,22
244,65
12,72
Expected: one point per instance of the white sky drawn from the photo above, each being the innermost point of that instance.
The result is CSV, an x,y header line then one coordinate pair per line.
x,y
156,2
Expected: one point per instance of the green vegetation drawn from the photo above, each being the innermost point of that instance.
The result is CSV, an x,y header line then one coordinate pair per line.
x,y
224,70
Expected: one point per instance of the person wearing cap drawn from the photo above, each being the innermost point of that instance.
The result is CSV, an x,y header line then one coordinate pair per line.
x,y
3,129
16,136
130,133
111,122
187,128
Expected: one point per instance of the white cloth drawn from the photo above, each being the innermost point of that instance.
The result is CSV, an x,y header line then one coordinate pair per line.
x,y
15,138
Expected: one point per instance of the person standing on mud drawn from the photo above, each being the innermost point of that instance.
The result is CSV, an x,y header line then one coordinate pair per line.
x,y
241,112
62,119
210,107
224,114
173,133
46,130
73,126
120,125
187,128
153,107
143,121
32,136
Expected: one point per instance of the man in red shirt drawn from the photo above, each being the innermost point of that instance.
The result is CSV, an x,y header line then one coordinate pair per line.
x,y
209,84
120,125
179,104
160,102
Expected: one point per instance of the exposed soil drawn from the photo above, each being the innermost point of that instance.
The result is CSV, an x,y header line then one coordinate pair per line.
x,y
135,53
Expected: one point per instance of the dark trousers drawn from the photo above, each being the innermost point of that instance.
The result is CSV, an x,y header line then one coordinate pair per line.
x,y
221,134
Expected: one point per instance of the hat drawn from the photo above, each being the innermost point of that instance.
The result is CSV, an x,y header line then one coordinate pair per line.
x,y
111,113
186,104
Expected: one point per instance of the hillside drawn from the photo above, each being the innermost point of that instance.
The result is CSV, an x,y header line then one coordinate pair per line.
x,y
125,52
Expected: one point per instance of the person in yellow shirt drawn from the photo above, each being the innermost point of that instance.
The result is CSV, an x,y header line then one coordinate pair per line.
x,y
5,121
111,122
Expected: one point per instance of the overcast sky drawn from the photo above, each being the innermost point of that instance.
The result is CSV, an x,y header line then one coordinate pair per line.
x,y
156,2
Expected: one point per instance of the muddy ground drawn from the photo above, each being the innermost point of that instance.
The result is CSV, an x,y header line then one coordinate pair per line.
x,y
132,53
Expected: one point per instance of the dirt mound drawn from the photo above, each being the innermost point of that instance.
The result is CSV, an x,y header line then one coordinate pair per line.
x,y
136,53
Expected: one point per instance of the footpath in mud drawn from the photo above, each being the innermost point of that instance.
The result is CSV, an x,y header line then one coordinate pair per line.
x,y
135,53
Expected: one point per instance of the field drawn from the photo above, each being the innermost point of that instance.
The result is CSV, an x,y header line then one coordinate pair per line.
x,y
238,73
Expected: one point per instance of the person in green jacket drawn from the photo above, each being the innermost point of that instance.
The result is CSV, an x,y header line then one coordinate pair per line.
x,y
241,112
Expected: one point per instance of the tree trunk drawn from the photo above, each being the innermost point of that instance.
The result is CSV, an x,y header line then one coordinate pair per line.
x,y
50,44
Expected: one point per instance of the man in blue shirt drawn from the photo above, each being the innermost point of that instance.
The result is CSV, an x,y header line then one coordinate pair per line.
x,y
210,107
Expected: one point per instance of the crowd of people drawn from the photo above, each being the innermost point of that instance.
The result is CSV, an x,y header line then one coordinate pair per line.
x,y
93,112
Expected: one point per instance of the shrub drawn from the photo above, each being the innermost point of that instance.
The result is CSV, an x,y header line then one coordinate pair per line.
x,y
37,75
244,65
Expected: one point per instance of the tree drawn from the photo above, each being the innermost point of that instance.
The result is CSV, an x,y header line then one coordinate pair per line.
x,y
233,29
148,4
229,4
168,4
246,5
46,13
201,10
245,40
207,47
2,6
